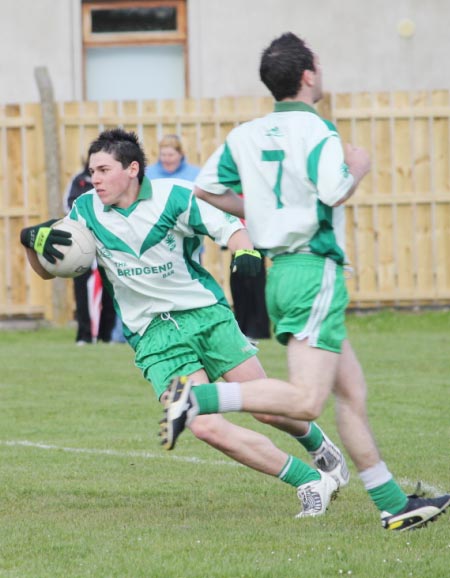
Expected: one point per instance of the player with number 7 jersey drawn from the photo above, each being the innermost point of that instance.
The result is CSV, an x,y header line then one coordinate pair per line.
x,y
295,175
290,164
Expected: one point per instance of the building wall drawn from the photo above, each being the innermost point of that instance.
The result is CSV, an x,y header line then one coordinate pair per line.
x,y
359,43
39,33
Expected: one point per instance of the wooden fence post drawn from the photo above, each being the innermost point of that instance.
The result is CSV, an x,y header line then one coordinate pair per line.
x,y
53,171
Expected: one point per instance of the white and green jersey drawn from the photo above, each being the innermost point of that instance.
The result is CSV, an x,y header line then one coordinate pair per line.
x,y
290,167
148,253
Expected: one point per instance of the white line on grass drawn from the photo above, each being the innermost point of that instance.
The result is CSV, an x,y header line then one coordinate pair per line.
x,y
116,453
430,489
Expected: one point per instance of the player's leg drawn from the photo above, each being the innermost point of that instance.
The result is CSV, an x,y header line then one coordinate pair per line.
x,y
226,353
398,511
312,373
306,298
254,450
209,343
307,433
325,454
351,414
245,446
313,323
315,489
225,344
174,343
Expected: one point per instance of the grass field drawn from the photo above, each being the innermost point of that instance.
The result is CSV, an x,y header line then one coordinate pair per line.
x,y
85,489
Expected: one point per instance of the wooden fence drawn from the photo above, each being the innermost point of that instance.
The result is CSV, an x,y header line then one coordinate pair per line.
x,y
398,223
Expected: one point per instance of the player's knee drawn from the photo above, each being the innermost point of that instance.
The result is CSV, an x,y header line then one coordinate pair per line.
x,y
207,428
309,406
304,409
268,419
354,393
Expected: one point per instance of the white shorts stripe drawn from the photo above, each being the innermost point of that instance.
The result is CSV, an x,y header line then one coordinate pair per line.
x,y
320,306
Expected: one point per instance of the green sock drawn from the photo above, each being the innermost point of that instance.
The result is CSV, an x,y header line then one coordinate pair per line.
x,y
295,472
207,398
389,497
311,441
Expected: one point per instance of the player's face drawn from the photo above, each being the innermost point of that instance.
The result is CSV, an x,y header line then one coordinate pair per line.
x,y
170,159
114,184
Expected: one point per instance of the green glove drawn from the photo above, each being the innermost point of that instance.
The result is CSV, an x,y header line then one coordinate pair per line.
x,y
247,262
42,238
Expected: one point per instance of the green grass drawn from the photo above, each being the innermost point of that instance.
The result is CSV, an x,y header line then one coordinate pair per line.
x,y
85,489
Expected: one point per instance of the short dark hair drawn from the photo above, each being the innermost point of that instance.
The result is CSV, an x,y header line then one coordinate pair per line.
x,y
283,63
123,146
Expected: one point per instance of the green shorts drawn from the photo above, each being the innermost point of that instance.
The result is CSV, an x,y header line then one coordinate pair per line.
x,y
307,298
208,338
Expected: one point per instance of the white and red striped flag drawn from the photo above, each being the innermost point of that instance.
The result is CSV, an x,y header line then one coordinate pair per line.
x,y
95,290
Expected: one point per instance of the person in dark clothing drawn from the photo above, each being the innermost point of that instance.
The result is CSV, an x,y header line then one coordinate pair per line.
x,y
249,304
80,184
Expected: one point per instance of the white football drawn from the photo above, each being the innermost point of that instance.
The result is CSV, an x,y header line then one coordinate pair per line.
x,y
78,257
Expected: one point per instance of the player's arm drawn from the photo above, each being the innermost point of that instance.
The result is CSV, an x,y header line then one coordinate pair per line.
x,y
334,169
226,230
229,202
42,239
240,240
219,182
358,162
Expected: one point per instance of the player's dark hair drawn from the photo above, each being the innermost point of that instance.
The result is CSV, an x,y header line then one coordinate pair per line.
x,y
123,146
283,63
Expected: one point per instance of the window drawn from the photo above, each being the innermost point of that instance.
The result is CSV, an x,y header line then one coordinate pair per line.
x,y
137,19
134,22
134,49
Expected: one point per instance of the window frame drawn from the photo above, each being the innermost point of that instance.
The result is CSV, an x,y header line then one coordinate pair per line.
x,y
93,39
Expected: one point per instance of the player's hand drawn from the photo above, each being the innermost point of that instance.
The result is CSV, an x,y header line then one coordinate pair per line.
x,y
246,262
42,238
357,160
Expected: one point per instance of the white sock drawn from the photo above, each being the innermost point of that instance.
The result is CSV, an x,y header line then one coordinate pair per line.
x,y
375,476
230,398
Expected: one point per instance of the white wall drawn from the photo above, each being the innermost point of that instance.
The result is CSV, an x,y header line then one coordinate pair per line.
x,y
37,33
357,40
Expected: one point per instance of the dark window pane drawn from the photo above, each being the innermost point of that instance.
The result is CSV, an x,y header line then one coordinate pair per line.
x,y
134,20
